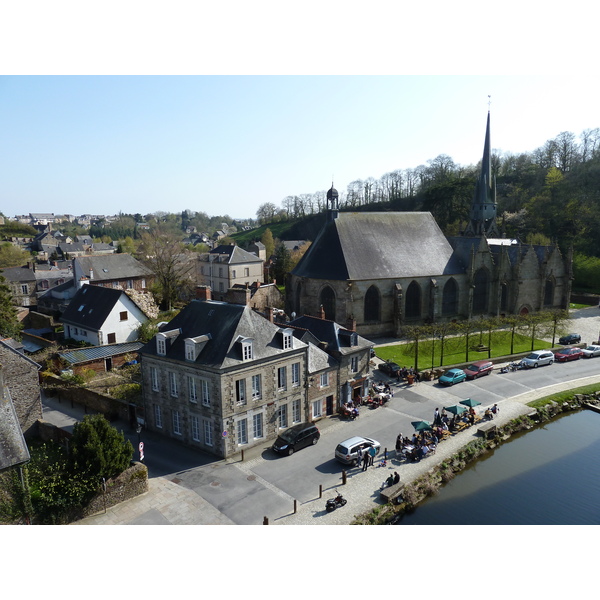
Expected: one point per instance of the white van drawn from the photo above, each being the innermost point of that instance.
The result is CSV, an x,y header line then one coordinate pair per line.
x,y
538,358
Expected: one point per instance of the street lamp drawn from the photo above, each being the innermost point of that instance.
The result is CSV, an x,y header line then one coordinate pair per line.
x,y
138,430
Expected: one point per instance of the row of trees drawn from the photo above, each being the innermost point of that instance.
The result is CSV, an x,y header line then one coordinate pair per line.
x,y
442,338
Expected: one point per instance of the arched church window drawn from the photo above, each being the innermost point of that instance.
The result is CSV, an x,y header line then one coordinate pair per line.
x,y
480,293
504,297
413,300
450,298
372,305
327,301
549,293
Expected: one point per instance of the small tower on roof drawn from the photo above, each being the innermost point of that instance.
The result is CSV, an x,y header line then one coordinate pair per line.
x,y
482,219
332,203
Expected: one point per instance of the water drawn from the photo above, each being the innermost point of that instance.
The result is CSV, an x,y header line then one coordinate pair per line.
x,y
546,476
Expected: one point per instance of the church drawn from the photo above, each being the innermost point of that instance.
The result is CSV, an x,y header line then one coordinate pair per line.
x,y
377,272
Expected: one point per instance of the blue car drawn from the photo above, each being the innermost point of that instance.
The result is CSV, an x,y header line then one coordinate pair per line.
x,y
452,376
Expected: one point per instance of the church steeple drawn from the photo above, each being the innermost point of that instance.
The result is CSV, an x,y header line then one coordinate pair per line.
x,y
332,203
482,219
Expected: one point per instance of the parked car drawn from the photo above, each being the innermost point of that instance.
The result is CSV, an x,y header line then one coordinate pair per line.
x,y
452,376
591,351
347,452
568,354
296,437
538,358
479,369
389,368
570,338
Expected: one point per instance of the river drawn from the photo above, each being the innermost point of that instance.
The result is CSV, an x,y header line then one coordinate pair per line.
x,y
546,476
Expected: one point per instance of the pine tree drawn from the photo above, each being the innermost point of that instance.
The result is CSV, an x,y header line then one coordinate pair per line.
x,y
9,323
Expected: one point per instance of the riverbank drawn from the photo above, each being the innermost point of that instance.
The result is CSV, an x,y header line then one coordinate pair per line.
x,y
365,505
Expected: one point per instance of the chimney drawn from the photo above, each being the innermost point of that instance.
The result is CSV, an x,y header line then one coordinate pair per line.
x,y
351,323
91,273
270,314
203,292
321,312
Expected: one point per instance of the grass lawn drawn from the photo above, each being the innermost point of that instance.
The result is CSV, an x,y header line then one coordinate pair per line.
x,y
455,350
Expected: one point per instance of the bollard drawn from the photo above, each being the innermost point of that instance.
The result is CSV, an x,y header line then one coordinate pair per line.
x,y
242,455
343,477
295,506
320,491
384,454
265,521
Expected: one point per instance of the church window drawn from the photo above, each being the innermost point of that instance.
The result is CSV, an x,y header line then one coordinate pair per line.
x,y
504,297
480,292
413,300
450,298
372,305
549,293
327,301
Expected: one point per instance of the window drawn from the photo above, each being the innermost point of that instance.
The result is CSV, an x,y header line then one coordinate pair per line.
x,y
257,422
84,333
75,331
287,341
220,271
413,300
242,431
221,286
190,352
130,284
324,379
195,428
281,378
111,338
327,300
123,316
240,391
296,416
372,309
154,379
193,390
208,436
256,385
173,383
143,284
354,364
233,273
247,350
157,416
246,272
24,289
205,392
316,408
176,423
295,374
283,418
161,346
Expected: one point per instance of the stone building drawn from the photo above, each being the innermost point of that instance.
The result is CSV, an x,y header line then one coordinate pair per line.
x,y
20,375
386,270
222,378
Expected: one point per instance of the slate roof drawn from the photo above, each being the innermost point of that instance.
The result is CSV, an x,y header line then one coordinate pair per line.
x,y
13,449
378,245
235,254
226,324
82,355
338,338
91,306
108,267
18,274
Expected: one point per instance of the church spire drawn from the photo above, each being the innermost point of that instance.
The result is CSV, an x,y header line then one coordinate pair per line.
x,y
482,220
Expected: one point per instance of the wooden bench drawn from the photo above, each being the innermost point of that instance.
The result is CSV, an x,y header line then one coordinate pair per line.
x,y
391,492
487,430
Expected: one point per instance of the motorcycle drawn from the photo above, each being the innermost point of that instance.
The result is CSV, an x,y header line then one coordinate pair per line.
x,y
336,502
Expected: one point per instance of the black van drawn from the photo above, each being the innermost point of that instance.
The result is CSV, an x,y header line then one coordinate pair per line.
x,y
296,437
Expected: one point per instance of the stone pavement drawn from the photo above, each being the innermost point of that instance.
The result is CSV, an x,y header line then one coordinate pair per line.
x,y
168,503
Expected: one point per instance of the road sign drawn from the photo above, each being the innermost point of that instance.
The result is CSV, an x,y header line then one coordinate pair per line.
x,y
141,451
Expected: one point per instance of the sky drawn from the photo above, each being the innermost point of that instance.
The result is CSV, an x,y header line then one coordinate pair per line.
x,y
225,144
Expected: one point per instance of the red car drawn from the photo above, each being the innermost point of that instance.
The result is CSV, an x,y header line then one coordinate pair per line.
x,y
479,369
568,354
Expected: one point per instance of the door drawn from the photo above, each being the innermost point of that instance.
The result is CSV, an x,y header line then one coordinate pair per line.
x,y
108,364
329,406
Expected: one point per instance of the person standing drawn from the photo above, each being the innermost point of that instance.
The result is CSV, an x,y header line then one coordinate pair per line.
x,y
372,453
359,457
365,459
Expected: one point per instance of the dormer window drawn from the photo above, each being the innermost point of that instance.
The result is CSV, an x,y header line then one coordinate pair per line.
x,y
195,345
161,345
287,339
247,352
164,339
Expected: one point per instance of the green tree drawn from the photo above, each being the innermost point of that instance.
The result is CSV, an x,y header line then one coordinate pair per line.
x,y
98,449
282,265
127,246
269,242
11,256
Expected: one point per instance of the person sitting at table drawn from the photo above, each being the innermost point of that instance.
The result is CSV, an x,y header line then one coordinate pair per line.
x,y
488,414
434,439
424,450
471,418
415,440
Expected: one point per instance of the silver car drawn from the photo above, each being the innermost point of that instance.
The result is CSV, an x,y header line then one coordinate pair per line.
x,y
591,351
538,358
347,452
